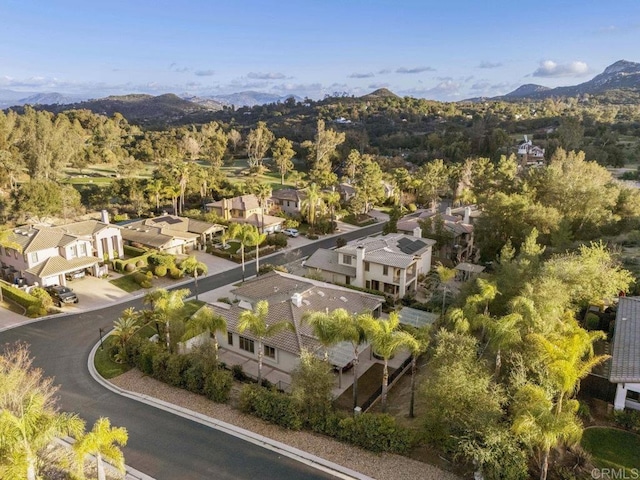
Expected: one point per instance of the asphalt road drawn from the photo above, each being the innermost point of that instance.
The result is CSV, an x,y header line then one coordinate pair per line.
x,y
160,444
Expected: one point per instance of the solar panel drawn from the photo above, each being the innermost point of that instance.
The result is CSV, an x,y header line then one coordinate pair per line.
x,y
416,318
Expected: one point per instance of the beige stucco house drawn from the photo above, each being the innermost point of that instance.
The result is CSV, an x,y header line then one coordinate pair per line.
x,y
246,209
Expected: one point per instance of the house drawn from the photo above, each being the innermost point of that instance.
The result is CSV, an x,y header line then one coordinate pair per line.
x,y
625,358
390,264
246,209
169,233
50,253
529,154
457,224
288,200
289,297
346,191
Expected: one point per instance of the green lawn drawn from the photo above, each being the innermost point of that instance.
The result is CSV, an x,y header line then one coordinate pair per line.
x,y
612,448
105,366
126,283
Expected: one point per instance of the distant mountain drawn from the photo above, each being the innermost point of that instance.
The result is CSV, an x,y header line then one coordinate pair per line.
x,y
251,98
622,75
204,101
379,93
10,98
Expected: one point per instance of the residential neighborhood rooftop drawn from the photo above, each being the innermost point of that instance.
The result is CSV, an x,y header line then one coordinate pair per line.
x,y
625,359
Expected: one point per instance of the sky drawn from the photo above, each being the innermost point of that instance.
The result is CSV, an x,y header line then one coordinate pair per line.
x,y
444,50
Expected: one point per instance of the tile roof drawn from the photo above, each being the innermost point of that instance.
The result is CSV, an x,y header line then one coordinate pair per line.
x,y
84,228
325,259
259,220
59,265
316,296
289,194
243,202
625,361
35,238
151,236
396,250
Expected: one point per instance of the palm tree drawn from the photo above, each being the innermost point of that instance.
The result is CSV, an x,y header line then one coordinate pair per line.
x,y
445,275
205,320
324,329
263,193
421,336
539,427
503,333
124,329
173,192
312,202
332,199
570,358
102,442
195,267
386,340
243,233
256,239
156,188
167,306
182,173
256,322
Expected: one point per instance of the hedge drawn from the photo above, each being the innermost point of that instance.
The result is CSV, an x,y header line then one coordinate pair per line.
x,y
376,432
271,405
120,265
130,251
18,296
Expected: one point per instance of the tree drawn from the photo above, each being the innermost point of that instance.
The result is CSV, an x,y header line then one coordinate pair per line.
x,y
256,322
156,188
325,329
539,427
192,266
421,336
369,184
235,138
321,152
311,203
256,239
258,142
125,327
102,442
283,152
173,192
445,276
205,320
386,340
311,385
214,143
263,193
29,419
433,178
244,234
167,306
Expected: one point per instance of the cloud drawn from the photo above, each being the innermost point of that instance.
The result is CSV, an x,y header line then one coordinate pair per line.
x,y
266,76
205,73
384,71
415,70
443,90
362,75
174,67
376,86
484,88
487,64
549,68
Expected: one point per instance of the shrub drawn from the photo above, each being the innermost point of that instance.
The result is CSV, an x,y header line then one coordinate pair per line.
x,y
312,237
139,277
238,373
131,251
629,419
165,259
278,239
217,385
376,432
340,242
592,321
35,311
129,267
160,361
175,273
224,300
270,405
177,365
21,297
145,359
141,263
160,270
194,377
412,207
46,301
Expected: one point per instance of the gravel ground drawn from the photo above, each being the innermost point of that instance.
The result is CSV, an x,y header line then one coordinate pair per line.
x,y
381,467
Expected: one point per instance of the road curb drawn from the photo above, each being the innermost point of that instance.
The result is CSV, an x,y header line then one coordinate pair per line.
x,y
309,459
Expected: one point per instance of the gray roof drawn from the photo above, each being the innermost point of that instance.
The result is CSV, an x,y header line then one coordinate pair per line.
x,y
289,194
625,361
327,260
395,250
243,202
85,228
416,318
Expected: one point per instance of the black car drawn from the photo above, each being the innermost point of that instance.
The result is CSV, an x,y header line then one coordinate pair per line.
x,y
61,295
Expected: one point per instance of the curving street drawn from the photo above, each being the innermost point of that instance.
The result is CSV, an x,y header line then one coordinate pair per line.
x,y
162,445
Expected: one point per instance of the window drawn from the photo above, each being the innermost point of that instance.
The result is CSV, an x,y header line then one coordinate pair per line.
x,y
366,266
83,249
230,338
269,352
34,257
346,259
246,345
385,270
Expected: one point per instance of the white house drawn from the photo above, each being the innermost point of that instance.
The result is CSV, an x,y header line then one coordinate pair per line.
x,y
49,253
625,358
390,264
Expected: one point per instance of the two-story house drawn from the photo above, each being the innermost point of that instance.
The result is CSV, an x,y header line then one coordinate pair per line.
x,y
390,264
288,200
246,209
48,254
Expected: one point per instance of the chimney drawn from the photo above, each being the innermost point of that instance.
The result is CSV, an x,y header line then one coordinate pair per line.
x,y
467,215
360,249
296,299
104,216
447,212
417,232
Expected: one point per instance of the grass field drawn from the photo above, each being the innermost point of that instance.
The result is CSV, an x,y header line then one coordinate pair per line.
x,y
105,366
612,448
126,283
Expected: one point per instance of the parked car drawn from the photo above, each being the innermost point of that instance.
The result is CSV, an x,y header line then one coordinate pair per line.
x,y
75,274
61,295
291,232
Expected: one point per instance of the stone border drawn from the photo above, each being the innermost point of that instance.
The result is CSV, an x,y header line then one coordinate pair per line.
x,y
309,459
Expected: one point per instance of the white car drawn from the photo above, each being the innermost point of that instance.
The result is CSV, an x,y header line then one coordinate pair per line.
x,y
291,232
